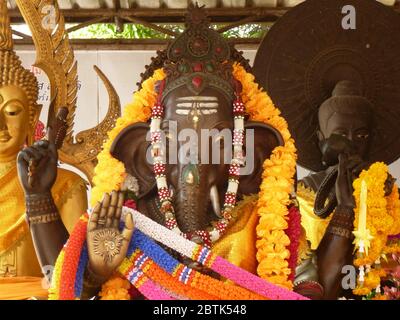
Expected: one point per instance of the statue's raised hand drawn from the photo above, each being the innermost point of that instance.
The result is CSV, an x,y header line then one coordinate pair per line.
x,y
37,167
107,245
37,164
344,181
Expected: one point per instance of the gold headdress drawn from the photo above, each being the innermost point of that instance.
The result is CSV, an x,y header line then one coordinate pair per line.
x,y
12,72
55,56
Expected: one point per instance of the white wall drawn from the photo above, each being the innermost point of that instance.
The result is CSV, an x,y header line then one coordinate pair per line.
x,y
123,68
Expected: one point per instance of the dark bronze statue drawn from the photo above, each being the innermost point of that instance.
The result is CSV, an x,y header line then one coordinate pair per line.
x,y
338,90
198,94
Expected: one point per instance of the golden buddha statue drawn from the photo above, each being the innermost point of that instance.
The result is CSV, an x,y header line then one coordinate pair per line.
x,y
20,273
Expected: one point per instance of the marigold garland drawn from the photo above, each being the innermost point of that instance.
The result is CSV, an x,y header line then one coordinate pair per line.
x,y
383,220
116,288
277,184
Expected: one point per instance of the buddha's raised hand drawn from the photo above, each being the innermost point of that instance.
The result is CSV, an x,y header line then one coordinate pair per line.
x,y
107,245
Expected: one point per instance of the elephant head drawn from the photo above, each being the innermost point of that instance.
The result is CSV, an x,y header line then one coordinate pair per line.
x,y
197,187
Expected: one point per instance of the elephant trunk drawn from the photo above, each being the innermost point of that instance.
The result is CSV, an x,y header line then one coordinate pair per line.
x,y
192,202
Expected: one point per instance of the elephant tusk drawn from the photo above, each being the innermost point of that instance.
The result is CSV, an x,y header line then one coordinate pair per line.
x,y
214,196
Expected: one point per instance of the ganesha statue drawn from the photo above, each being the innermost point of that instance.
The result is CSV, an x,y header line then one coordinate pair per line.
x,y
174,221
340,97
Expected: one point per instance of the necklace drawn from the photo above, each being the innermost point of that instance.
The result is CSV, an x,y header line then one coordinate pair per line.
x,y
159,166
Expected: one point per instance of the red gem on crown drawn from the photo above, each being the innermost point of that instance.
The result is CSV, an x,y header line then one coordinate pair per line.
x,y
198,67
197,81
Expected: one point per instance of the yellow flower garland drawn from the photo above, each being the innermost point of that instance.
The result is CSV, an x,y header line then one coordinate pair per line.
x,y
383,219
276,186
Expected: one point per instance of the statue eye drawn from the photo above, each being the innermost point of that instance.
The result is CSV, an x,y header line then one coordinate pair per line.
x,y
12,110
340,132
362,136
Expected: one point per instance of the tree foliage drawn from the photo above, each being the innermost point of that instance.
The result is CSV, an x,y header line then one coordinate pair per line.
x,y
136,31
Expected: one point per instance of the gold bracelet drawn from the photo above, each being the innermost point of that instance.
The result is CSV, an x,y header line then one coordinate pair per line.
x,y
340,231
39,204
44,218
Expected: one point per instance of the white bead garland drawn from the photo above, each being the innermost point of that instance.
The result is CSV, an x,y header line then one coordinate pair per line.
x,y
162,184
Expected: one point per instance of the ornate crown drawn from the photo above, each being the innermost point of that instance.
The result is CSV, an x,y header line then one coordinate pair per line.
x,y
199,58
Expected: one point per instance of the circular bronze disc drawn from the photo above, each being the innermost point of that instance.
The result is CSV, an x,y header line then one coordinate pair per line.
x,y
308,51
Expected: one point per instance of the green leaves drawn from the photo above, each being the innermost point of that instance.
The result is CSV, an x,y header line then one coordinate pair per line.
x,y
137,31
131,31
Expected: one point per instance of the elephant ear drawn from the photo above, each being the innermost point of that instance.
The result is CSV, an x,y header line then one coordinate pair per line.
x,y
130,147
266,139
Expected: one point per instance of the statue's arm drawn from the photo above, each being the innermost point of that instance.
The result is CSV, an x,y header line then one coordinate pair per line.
x,y
49,237
335,249
47,229
37,171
